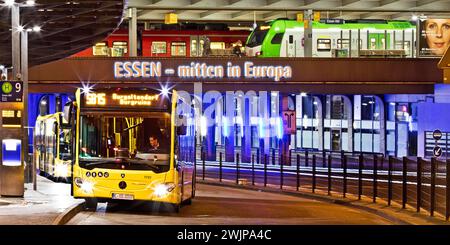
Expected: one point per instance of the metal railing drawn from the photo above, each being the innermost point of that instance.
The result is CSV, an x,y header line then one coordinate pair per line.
x,y
422,184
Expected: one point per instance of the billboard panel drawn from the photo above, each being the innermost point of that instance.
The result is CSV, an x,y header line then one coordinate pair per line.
x,y
434,37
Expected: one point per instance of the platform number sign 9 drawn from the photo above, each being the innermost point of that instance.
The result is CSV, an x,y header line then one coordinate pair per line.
x,y
11,91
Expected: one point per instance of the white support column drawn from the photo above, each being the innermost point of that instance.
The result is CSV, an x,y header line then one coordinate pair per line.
x,y
132,31
15,47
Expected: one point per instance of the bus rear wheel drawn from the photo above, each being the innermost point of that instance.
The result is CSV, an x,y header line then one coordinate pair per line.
x,y
90,204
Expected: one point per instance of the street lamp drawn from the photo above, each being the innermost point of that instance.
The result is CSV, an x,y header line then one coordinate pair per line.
x,y
19,38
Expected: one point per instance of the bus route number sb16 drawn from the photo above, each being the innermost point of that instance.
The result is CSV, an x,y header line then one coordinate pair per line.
x,y
96,99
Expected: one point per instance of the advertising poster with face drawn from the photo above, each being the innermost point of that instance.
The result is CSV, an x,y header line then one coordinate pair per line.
x,y
434,37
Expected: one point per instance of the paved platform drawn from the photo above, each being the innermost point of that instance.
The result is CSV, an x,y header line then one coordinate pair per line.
x,y
41,207
219,205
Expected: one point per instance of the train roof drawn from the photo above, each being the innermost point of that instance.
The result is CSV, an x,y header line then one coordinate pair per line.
x,y
348,24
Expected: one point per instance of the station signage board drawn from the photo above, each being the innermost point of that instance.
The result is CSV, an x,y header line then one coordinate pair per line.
x,y
125,99
434,37
11,91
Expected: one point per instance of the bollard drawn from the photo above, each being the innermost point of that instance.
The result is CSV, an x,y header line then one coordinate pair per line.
x,y
360,169
375,179
273,156
220,166
298,171
253,169
265,170
344,174
306,158
329,174
419,183
314,173
257,156
237,168
290,158
204,165
281,171
433,185
324,159
391,160
404,182
447,190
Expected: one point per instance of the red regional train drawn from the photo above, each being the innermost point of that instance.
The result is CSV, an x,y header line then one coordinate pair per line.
x,y
172,43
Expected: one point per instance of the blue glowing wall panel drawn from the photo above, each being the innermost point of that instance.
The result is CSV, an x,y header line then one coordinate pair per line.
x,y
431,116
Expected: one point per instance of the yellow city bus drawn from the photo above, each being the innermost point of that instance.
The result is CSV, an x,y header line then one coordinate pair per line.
x,y
52,144
131,144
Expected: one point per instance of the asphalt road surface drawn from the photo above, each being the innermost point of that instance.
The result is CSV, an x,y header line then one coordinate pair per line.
x,y
224,205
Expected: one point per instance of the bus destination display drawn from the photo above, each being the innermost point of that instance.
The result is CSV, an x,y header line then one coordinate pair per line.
x,y
125,100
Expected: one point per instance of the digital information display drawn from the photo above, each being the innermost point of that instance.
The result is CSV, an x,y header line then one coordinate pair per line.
x,y
11,91
11,118
125,99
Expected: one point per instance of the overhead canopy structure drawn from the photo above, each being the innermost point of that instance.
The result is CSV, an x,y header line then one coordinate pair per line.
x,y
67,27
264,10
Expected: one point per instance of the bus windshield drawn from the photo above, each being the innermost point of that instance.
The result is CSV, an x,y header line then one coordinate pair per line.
x,y
257,38
135,140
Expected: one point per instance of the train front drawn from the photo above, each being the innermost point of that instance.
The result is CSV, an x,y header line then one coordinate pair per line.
x,y
253,47
124,147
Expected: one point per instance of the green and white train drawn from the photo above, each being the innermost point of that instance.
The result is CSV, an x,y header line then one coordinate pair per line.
x,y
285,38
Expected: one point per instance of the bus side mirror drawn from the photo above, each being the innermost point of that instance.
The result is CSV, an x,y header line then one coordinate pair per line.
x,y
182,125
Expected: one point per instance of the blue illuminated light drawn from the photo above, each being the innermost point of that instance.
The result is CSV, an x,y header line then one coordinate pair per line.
x,y
225,127
279,126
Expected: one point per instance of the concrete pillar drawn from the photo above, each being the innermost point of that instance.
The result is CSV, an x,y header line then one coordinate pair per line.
x,y
308,18
247,110
264,123
349,107
229,124
320,120
15,47
210,104
132,31
24,67
380,103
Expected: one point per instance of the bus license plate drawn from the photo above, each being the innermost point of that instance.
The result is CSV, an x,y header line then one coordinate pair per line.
x,y
122,196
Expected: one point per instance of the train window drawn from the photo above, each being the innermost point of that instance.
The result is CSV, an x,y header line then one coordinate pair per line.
x,y
217,45
399,46
178,49
119,49
343,43
159,47
323,45
193,47
100,49
373,43
277,38
291,39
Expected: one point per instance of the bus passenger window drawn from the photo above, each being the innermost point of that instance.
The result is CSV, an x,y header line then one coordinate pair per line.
x,y
119,49
323,45
158,48
178,49
277,38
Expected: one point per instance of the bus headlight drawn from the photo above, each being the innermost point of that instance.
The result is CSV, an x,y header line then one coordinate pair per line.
x,y
162,190
85,185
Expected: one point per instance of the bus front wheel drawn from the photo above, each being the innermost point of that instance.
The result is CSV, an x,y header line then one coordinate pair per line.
x,y
90,204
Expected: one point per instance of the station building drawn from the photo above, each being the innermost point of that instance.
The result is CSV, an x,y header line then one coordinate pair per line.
x,y
336,107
